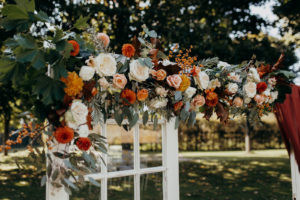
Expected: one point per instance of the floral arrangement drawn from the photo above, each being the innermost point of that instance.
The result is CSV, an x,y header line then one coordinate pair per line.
x,y
87,83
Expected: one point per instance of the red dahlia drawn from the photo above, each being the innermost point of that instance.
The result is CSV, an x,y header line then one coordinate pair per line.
x,y
64,135
261,87
83,143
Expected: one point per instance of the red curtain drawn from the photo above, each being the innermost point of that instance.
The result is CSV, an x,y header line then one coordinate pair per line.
x,y
288,116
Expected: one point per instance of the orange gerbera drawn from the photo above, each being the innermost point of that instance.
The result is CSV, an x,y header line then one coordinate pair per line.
x,y
64,135
74,84
142,94
211,98
128,50
185,83
76,48
178,105
129,95
83,143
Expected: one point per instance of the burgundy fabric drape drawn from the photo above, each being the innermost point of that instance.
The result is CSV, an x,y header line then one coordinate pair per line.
x,y
288,116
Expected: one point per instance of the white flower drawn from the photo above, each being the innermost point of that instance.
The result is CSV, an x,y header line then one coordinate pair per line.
x,y
158,103
223,64
79,112
167,62
267,92
253,75
162,92
274,96
234,77
214,83
190,91
272,81
70,120
250,89
105,65
83,131
202,80
103,83
138,72
232,88
247,100
86,73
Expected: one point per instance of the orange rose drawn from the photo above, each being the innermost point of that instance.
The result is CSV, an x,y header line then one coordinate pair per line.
x,y
238,102
129,95
142,94
185,83
76,47
178,105
159,75
197,101
64,135
128,50
211,99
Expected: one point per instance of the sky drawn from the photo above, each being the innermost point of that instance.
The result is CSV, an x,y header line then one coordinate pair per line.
x,y
265,11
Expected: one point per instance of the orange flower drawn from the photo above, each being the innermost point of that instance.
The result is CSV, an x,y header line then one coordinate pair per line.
x,y
142,94
128,50
64,135
74,84
129,95
195,71
211,98
185,83
83,143
159,75
178,105
104,38
76,48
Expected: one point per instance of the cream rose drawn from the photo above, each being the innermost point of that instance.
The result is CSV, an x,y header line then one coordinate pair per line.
x,y
214,83
119,81
202,80
158,103
253,75
86,73
198,101
232,88
190,91
174,80
238,102
105,64
250,89
274,96
259,99
162,92
234,77
138,72
223,64
247,100
79,112
103,83
70,120
83,131
272,81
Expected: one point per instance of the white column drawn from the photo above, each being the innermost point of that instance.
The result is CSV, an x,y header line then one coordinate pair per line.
x,y
103,195
170,161
295,176
136,148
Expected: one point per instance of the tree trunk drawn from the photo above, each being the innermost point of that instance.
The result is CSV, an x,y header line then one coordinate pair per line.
x,y
247,135
6,130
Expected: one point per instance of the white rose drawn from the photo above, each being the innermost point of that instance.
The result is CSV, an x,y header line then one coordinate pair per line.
x,y
158,103
162,92
272,81
103,83
202,80
70,120
79,112
105,65
232,88
86,73
138,72
253,75
267,92
234,77
190,91
274,96
223,64
247,100
214,83
250,89
83,131
167,62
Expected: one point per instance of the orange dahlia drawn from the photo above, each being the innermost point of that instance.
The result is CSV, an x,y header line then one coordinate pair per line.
x,y
142,94
185,83
211,99
129,95
76,48
64,135
83,143
74,84
128,50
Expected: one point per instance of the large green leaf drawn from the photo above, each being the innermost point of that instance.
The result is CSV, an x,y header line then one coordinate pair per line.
x,y
10,70
14,12
81,23
27,5
60,70
25,41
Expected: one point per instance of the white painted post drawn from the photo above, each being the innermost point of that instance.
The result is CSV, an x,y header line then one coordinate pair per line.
x,y
103,190
295,176
136,148
170,161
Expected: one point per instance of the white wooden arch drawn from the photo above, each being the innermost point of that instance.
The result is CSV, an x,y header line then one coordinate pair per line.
x,y
169,167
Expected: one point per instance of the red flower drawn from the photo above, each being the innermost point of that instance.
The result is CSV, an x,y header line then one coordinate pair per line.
x,y
211,99
83,143
261,87
76,48
64,135
128,50
129,95
178,105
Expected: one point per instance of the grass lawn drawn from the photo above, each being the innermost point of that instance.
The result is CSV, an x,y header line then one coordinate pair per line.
x,y
203,175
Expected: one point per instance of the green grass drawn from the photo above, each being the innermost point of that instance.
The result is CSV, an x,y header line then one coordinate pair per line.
x,y
203,176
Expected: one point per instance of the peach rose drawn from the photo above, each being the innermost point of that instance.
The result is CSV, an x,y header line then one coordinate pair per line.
x,y
104,38
119,81
159,75
259,99
238,102
174,80
198,101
